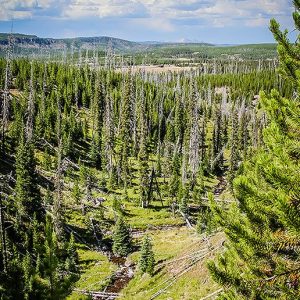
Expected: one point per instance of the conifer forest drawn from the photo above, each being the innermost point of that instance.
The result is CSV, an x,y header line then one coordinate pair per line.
x,y
133,177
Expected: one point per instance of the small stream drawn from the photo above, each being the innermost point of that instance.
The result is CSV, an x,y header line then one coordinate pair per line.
x,y
119,279
221,186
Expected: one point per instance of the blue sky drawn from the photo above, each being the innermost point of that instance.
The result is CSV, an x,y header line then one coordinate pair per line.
x,y
214,21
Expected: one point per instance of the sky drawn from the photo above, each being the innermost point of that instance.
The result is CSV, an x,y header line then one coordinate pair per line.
x,y
212,21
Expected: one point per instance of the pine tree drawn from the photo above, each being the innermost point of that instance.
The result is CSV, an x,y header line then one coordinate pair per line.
x,y
108,138
243,133
27,194
179,121
76,192
234,153
147,260
121,238
263,228
97,123
57,208
144,174
72,257
51,260
143,157
174,184
217,159
125,138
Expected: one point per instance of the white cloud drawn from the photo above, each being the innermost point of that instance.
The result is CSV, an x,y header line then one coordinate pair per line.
x,y
157,24
21,9
104,8
258,22
155,13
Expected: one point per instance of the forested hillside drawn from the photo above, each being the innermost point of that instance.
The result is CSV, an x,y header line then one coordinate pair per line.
x,y
143,52
116,182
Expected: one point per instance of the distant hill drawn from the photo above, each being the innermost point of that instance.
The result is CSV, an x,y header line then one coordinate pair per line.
x,y
24,44
101,42
31,41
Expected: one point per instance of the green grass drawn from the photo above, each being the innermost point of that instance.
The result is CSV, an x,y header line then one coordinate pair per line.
x,y
169,245
96,271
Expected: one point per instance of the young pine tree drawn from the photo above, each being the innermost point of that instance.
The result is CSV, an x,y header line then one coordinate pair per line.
x,y
144,174
121,239
27,194
263,228
147,260
234,151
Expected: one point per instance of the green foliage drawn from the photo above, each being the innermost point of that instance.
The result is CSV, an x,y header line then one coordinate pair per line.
x,y
263,227
147,261
28,198
121,238
175,177
76,192
144,174
234,153
117,206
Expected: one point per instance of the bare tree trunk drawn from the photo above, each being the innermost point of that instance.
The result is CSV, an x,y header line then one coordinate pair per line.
x,y
5,104
2,236
30,108
57,205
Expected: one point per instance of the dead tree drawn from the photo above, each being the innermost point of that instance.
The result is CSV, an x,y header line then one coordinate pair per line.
x,y
6,96
153,181
79,57
194,158
2,236
30,108
109,133
43,97
58,205
109,56
87,57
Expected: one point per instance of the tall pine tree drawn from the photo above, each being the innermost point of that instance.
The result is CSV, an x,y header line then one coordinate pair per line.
x,y
27,194
147,260
263,227
121,238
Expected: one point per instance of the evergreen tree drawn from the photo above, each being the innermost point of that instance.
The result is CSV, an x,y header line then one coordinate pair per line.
x,y
144,174
72,257
263,228
234,153
147,260
217,159
143,155
97,123
121,238
108,139
243,133
174,184
76,192
51,260
27,194
125,138
179,121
